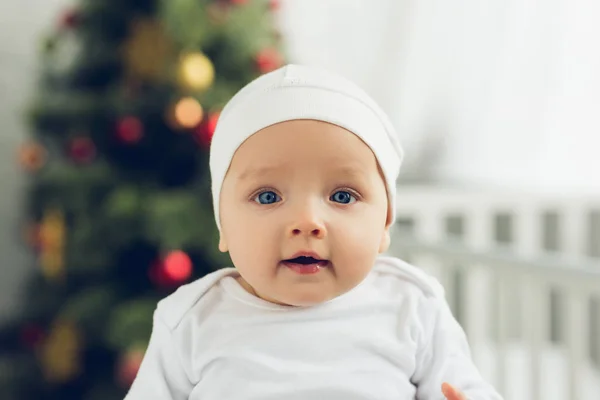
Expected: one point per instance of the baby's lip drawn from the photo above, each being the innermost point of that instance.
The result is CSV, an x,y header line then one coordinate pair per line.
x,y
306,253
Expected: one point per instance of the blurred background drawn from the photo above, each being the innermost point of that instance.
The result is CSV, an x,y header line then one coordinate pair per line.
x,y
107,112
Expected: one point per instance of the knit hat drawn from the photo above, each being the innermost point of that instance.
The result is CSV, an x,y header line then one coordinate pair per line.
x,y
300,92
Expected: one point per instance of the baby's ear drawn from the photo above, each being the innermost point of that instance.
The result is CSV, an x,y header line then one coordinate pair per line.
x,y
385,240
222,243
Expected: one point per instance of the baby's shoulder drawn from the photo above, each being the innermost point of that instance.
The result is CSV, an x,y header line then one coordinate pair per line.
x,y
173,308
403,277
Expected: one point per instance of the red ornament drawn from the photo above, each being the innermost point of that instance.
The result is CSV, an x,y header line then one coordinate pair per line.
x,y
31,335
205,131
239,2
70,19
268,60
82,150
130,130
274,5
173,270
178,266
129,366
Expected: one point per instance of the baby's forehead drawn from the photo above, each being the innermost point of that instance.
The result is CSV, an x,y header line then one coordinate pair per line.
x,y
249,170
301,146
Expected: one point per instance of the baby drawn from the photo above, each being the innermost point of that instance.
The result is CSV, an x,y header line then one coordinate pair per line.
x,y
303,167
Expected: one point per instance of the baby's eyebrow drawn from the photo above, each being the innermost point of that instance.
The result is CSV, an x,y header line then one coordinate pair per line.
x,y
351,171
258,171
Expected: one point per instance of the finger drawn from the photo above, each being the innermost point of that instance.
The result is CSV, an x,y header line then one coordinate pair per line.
x,y
451,393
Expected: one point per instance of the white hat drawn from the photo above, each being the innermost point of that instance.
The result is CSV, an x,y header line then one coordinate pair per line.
x,y
301,92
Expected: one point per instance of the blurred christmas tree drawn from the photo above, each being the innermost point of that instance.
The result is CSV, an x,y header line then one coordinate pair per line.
x,y
119,212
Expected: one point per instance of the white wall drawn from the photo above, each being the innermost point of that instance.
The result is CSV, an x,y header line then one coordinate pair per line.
x,y
22,23
525,94
509,89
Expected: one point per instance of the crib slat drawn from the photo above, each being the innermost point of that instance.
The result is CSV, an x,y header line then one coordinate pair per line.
x,y
536,324
501,313
478,235
577,329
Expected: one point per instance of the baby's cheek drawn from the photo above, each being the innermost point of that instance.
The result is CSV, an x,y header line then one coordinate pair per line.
x,y
365,232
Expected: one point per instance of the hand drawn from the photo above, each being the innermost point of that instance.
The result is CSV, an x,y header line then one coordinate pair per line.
x,y
451,393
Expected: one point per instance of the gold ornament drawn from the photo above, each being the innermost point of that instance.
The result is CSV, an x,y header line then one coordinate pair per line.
x,y
147,51
60,353
187,113
52,239
32,156
196,71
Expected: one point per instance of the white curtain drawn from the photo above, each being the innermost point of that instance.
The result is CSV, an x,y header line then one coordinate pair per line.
x,y
507,92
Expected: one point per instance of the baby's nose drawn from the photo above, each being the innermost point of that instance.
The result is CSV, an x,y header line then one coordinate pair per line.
x,y
314,232
308,224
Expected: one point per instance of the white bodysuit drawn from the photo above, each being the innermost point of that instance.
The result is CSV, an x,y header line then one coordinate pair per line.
x,y
391,338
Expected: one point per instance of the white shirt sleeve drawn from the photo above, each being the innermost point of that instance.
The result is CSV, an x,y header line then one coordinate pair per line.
x,y
162,374
444,356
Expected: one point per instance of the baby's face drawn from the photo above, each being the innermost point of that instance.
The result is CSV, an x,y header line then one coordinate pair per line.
x,y
308,188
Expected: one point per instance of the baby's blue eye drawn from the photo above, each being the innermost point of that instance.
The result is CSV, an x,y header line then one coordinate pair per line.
x,y
343,197
268,197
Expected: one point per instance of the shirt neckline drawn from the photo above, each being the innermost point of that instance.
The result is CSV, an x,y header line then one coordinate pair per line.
x,y
235,289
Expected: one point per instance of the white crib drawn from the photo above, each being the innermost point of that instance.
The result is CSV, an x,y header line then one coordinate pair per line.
x,y
522,275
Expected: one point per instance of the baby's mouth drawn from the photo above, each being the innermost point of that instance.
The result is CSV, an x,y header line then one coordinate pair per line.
x,y
305,265
304,260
